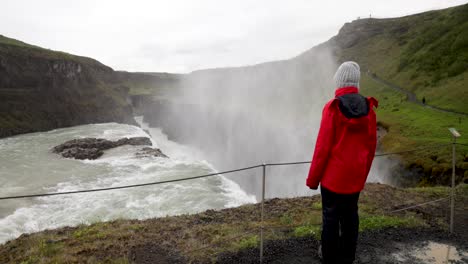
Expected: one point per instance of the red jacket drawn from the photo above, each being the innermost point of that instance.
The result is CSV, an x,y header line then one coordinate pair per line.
x,y
345,144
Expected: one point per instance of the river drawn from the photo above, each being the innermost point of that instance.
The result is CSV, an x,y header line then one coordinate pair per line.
x,y
28,166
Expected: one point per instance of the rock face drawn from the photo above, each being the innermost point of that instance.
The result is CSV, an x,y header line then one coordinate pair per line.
x,y
42,90
93,148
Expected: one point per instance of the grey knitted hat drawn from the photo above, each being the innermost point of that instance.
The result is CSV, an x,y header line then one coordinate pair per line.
x,y
348,74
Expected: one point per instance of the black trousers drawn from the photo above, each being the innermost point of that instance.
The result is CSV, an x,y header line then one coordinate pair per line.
x,y
340,226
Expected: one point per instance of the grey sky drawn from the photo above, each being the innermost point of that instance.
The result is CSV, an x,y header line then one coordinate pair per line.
x,y
181,36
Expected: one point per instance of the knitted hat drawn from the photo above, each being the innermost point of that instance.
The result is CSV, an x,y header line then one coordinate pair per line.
x,y
348,74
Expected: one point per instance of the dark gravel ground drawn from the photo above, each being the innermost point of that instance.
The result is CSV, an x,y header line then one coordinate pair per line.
x,y
155,253
374,247
391,245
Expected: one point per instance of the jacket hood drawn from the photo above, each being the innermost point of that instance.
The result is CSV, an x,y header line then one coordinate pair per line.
x,y
352,105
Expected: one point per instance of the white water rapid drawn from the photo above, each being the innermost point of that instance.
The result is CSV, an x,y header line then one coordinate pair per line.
x,y
28,166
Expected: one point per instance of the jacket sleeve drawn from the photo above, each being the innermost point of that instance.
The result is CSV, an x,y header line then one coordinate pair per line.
x,y
323,147
373,134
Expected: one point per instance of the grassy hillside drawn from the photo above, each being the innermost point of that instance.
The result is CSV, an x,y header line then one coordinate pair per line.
x,y
425,53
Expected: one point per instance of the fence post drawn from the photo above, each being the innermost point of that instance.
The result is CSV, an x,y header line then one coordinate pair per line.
x,y
262,212
455,134
452,194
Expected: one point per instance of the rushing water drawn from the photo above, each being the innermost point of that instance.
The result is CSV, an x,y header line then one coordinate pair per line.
x,y
28,166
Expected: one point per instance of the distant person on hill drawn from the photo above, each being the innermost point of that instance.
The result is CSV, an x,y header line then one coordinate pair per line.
x,y
424,100
342,159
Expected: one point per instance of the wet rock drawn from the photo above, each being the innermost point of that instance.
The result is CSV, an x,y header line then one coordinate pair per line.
x,y
135,141
84,143
150,152
93,148
82,153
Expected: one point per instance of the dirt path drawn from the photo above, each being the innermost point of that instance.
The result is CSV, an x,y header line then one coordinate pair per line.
x,y
393,245
411,97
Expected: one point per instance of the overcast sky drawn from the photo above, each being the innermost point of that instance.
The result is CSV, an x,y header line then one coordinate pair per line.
x,y
182,36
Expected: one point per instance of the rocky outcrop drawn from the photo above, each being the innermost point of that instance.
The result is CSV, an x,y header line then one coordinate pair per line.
x,y
93,148
82,153
42,90
150,152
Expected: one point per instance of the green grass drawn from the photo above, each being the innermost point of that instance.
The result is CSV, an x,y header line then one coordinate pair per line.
x,y
414,122
412,126
308,230
48,249
441,191
286,219
250,242
317,206
95,231
375,222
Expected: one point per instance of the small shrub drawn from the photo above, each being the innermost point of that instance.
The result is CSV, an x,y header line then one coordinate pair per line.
x,y
460,43
308,230
286,219
457,68
249,242
317,206
48,248
90,232
30,260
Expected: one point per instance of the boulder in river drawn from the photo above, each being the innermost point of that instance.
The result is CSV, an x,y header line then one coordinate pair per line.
x,y
150,152
82,153
93,148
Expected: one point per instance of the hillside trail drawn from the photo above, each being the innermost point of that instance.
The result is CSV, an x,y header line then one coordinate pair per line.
x,y
411,97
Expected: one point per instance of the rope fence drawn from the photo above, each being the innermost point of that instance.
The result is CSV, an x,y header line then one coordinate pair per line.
x,y
419,205
201,176
128,186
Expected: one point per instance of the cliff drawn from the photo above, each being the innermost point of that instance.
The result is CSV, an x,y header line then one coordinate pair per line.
x,y
42,89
